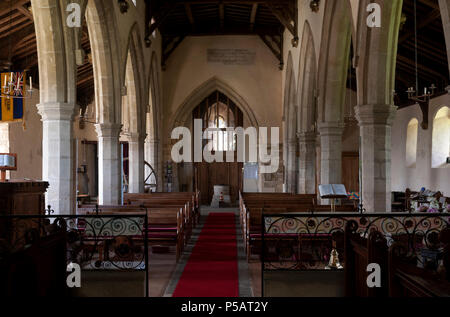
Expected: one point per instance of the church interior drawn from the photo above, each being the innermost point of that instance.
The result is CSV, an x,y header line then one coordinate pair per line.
x,y
225,148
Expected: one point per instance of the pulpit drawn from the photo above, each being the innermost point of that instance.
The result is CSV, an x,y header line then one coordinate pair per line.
x,y
20,197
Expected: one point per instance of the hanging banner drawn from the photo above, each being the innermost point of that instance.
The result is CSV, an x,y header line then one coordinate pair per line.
x,y
12,109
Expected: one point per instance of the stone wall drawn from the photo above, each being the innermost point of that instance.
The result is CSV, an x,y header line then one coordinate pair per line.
x,y
422,174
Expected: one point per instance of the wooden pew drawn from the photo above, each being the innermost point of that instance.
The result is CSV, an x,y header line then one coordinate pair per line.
x,y
359,252
253,226
408,280
152,202
192,199
271,200
38,270
165,224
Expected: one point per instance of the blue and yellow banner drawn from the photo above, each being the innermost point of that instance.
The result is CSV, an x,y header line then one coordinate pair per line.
x,y
12,108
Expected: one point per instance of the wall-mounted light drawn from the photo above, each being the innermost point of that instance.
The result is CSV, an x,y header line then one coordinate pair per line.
x,y
124,6
314,5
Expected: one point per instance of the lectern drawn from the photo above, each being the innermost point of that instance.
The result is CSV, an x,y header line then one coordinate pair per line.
x,y
8,162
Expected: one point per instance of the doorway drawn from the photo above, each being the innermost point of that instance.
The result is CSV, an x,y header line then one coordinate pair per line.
x,y
218,113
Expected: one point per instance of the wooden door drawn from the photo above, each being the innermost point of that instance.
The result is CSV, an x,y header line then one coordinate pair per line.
x,y
210,174
350,171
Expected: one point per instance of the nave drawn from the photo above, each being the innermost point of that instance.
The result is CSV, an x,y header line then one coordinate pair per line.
x,y
153,148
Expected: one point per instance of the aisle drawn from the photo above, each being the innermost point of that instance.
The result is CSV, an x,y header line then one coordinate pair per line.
x,y
212,269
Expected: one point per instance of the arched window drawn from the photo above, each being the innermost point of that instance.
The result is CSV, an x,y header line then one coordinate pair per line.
x,y
218,113
441,138
411,142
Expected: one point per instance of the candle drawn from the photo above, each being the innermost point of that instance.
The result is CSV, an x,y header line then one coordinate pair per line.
x,y
31,83
425,90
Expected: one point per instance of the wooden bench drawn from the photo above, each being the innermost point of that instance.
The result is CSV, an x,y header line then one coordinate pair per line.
x,y
185,205
192,199
406,279
165,225
253,226
38,270
270,200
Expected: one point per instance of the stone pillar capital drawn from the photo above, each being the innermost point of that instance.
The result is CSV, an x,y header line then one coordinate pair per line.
x,y
375,114
151,140
136,137
292,142
335,128
108,130
56,111
307,137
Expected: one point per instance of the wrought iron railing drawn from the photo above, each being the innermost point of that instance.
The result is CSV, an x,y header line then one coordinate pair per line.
x,y
306,241
94,242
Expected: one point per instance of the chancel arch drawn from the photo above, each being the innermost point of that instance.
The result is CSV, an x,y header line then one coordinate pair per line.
x,y
218,113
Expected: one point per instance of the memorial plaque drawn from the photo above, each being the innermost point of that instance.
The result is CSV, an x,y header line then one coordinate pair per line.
x,y
231,56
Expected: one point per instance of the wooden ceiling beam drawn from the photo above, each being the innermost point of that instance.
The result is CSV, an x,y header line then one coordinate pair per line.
x,y
431,17
6,6
25,12
423,68
86,79
188,9
253,16
431,3
222,15
15,30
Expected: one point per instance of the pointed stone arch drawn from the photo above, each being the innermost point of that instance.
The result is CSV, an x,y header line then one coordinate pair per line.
x,y
184,111
290,127
134,107
108,80
57,78
307,89
375,71
153,148
333,60
332,77
307,114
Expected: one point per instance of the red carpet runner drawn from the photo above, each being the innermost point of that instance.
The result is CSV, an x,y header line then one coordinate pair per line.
x,y
212,269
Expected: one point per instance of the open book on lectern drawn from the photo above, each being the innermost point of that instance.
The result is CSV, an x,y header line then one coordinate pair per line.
x,y
332,191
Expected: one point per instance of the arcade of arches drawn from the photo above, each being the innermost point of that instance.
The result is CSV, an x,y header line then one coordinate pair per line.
x,y
108,94
101,86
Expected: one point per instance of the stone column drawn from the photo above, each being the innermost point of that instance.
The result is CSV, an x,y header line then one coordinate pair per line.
x,y
307,163
445,15
136,163
151,156
331,152
291,166
109,169
57,155
375,123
